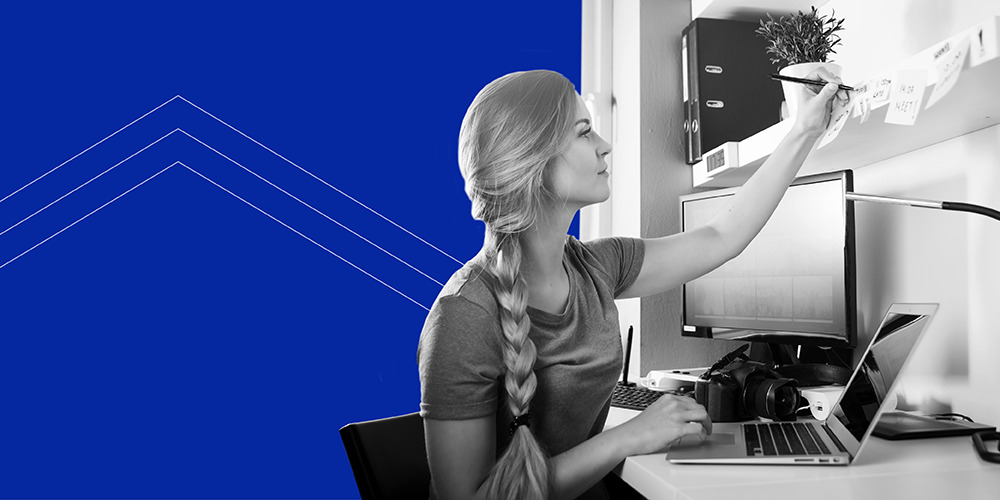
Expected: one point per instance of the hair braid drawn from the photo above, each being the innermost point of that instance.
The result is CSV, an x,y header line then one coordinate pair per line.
x,y
522,472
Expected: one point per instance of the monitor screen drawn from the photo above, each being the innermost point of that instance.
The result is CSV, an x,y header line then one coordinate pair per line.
x,y
794,283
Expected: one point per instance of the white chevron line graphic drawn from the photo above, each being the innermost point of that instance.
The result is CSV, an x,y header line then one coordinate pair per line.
x,y
366,207
290,162
366,240
304,236
81,185
230,192
88,215
57,233
88,149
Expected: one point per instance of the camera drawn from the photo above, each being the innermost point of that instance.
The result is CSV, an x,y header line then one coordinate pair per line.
x,y
747,390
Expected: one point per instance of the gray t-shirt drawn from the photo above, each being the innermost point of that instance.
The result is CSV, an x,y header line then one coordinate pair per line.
x,y
579,350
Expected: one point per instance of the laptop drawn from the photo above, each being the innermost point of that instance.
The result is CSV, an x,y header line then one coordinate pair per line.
x,y
840,438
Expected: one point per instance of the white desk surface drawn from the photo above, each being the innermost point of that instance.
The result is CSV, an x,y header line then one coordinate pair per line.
x,y
935,468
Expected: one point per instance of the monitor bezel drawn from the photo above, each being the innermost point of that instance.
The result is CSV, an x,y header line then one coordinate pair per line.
x,y
846,178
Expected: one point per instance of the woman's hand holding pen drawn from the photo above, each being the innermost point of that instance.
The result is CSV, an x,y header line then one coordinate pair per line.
x,y
665,422
814,111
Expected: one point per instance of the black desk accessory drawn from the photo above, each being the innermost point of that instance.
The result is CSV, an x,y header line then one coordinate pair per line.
x,y
628,355
978,441
898,425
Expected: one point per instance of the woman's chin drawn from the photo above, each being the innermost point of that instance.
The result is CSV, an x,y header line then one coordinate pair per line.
x,y
602,196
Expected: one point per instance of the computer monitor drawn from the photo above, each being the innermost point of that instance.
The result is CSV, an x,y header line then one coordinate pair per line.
x,y
794,284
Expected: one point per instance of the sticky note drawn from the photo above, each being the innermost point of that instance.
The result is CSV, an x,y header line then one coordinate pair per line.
x,y
838,117
880,91
861,91
949,66
866,109
905,96
863,100
983,44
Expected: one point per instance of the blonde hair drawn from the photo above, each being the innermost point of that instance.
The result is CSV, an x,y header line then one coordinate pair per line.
x,y
514,127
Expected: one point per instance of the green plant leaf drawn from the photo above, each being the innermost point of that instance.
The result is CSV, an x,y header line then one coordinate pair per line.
x,y
801,37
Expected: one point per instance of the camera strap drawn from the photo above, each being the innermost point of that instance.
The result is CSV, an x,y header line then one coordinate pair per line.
x,y
737,353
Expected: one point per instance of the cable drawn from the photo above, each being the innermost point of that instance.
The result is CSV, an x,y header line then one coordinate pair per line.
x,y
951,417
968,207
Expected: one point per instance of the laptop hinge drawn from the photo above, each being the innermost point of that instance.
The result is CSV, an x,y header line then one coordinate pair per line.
x,y
833,437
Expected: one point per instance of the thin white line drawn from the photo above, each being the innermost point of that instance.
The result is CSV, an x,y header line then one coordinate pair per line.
x,y
306,237
88,215
91,147
366,240
88,182
321,180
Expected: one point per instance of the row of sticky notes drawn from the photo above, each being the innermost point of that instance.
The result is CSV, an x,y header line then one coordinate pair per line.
x,y
904,90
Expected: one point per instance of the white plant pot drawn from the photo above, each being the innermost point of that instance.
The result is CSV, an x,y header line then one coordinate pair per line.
x,y
797,92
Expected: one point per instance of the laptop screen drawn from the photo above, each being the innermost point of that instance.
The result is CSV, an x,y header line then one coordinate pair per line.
x,y
874,379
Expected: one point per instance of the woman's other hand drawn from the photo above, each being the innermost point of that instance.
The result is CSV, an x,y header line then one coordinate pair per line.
x,y
815,108
665,422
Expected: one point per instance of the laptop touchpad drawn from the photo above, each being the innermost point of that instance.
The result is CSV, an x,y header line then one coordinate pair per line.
x,y
716,439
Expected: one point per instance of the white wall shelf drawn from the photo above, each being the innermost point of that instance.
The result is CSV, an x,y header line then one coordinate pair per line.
x,y
749,10
971,105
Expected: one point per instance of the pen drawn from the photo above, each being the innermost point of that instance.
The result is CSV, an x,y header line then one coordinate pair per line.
x,y
806,81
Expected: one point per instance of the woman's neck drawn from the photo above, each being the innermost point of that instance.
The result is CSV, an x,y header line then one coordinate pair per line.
x,y
542,246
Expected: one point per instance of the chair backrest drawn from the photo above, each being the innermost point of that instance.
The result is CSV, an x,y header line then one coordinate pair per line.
x,y
388,457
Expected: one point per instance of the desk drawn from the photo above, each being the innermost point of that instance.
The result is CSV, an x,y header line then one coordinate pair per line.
x,y
936,468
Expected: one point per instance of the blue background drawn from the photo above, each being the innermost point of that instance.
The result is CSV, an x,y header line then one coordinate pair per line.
x,y
180,342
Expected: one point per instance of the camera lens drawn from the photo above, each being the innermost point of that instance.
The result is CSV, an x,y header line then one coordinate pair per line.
x,y
777,399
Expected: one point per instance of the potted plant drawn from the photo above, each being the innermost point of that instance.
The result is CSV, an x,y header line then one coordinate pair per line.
x,y
799,43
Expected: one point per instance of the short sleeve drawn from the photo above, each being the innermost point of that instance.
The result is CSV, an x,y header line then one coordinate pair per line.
x,y
460,360
619,258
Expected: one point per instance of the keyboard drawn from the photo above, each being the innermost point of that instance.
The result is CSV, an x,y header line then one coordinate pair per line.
x,y
783,438
635,397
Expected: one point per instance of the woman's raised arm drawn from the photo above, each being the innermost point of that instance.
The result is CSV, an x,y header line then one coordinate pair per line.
x,y
676,259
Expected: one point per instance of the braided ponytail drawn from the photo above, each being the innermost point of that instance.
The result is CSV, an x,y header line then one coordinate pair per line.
x,y
522,471
514,127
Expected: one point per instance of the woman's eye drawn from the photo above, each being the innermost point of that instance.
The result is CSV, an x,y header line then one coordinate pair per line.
x,y
586,133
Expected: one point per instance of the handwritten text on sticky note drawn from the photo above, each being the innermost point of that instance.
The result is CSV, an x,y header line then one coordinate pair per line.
x,y
880,90
949,66
905,97
862,99
984,43
838,117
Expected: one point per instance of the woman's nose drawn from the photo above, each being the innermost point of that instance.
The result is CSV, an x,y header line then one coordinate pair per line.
x,y
604,148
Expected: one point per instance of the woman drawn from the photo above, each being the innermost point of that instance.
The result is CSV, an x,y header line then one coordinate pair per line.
x,y
521,350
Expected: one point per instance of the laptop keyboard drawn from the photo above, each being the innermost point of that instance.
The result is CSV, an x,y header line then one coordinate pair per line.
x,y
783,438
637,398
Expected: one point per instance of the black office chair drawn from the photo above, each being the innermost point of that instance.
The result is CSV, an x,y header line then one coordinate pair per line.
x,y
388,457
